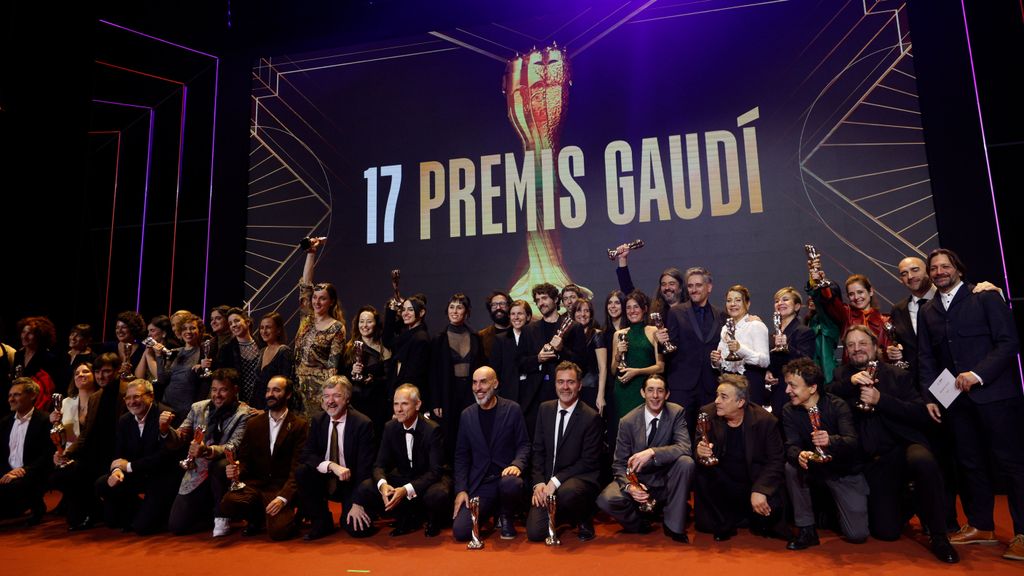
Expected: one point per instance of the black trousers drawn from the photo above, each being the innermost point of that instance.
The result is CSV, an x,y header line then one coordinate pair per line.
x,y
435,505
75,482
575,504
315,490
887,476
23,494
721,504
123,507
504,495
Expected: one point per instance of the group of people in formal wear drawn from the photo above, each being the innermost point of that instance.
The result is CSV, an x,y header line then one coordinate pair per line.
x,y
542,419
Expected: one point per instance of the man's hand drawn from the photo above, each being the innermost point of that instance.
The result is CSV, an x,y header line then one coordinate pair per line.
x,y
397,496
870,395
115,478
231,471
705,449
511,471
385,490
166,417
638,494
804,456
894,352
340,471
120,464
661,335
934,412
759,502
546,355
196,449
966,380
820,438
716,357
275,506
461,499
358,518
13,475
55,416
637,461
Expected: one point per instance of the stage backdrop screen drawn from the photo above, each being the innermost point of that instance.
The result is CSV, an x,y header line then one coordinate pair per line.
x,y
722,134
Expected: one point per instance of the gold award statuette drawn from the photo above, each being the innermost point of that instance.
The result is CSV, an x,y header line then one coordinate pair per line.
x,y
890,331
814,260
360,357
613,253
621,365
197,438
730,333
204,350
704,433
563,327
58,435
819,455
645,507
552,508
126,372
396,299
657,322
475,543
871,369
777,321
229,454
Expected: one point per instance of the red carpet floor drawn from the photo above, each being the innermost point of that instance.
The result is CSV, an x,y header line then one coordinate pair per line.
x,y
50,549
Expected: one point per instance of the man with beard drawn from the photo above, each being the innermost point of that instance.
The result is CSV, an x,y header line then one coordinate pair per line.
x,y
566,448
266,460
892,442
490,456
544,350
142,465
974,337
337,457
653,443
695,328
670,283
222,419
498,304
409,477
25,453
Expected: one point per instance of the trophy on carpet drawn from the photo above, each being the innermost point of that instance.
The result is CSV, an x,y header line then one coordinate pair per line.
x,y
819,455
395,303
564,327
58,435
814,264
126,366
360,358
552,508
229,454
667,347
475,543
613,253
621,365
890,332
704,433
645,507
730,334
306,243
197,438
204,353
777,321
871,368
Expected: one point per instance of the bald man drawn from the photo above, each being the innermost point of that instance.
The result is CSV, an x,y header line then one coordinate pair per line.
x,y
491,453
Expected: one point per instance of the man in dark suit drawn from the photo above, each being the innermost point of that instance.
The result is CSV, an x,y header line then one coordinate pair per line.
x,y
973,336
893,443
26,453
566,449
653,443
498,304
337,457
695,328
409,477
747,483
266,460
143,465
490,456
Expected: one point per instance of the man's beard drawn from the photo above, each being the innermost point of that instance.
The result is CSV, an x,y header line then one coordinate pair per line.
x,y
499,317
486,399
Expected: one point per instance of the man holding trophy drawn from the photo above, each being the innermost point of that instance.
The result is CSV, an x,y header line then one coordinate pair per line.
x,y
821,447
741,476
652,446
491,454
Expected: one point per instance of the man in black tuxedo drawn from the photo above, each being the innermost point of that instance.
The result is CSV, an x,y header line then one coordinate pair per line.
x,y
498,304
893,443
973,336
490,456
566,448
143,465
267,458
337,457
695,328
409,477
26,453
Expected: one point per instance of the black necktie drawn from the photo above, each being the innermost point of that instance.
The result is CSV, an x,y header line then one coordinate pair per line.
x,y
654,430
921,302
561,430
334,455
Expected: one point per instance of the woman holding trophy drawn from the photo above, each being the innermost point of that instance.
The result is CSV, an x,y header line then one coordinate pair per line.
x,y
365,363
861,309
320,339
593,356
792,339
180,381
405,333
640,350
160,341
743,348
243,354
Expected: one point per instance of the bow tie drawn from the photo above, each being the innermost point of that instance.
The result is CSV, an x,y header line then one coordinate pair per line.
x,y
410,430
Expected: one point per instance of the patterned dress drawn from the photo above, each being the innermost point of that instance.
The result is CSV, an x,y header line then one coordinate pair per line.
x,y
317,353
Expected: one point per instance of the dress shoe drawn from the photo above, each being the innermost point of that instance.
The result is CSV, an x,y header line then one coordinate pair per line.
x,y
507,527
585,531
432,529
252,529
971,535
942,549
726,535
221,527
318,532
83,525
680,537
404,526
806,537
1015,551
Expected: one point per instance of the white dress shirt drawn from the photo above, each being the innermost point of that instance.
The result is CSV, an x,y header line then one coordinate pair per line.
x,y
16,444
558,417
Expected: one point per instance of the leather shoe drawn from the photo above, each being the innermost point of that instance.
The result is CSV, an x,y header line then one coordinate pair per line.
x,y
253,529
1015,551
318,532
942,549
83,525
403,527
432,529
971,535
508,529
680,537
585,531
806,537
723,536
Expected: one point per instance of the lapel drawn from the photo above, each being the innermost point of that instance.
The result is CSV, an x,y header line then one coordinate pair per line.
x,y
713,327
499,422
691,315
640,428
475,432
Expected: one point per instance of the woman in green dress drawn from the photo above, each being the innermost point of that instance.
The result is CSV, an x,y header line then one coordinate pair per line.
x,y
642,356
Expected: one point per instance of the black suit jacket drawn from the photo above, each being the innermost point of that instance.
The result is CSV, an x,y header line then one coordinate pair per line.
x,y
272,472
763,448
427,466
800,339
689,367
905,335
148,454
358,443
580,448
836,419
37,454
509,444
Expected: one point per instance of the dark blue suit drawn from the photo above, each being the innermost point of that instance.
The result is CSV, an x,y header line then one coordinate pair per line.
x,y
977,334
479,462
692,380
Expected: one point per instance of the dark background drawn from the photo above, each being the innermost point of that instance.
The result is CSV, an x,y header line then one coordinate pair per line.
x,y
57,231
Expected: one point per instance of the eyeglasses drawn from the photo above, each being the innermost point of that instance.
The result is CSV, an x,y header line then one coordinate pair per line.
x,y
497,305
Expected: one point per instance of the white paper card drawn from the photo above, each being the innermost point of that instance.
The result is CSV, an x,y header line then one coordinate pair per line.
x,y
944,388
